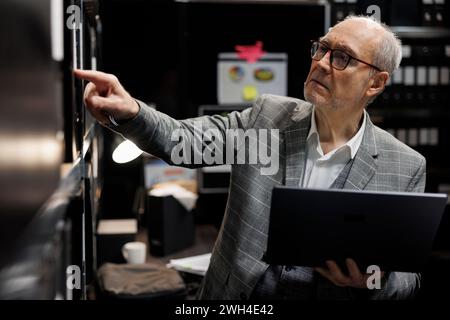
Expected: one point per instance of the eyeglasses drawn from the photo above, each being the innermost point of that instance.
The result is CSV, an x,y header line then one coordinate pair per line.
x,y
339,59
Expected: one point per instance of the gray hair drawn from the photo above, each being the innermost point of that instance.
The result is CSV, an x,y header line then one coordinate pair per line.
x,y
388,54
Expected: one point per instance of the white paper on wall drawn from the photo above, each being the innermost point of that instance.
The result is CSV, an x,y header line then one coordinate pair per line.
x,y
241,82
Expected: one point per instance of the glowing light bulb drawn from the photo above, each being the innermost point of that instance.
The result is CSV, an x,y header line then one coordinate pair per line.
x,y
125,152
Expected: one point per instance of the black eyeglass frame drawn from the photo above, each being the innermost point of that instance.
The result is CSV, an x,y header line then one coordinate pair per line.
x,y
313,42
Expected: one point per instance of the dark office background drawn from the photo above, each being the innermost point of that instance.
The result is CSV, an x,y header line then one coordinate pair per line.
x,y
166,52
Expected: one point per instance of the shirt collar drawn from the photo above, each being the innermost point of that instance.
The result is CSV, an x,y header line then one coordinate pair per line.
x,y
354,143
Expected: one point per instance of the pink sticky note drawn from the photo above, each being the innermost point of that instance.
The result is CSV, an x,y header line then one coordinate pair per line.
x,y
250,53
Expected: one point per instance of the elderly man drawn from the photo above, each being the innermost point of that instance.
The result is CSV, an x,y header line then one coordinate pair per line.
x,y
327,141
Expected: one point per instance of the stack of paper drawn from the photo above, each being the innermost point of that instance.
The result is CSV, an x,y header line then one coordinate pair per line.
x,y
195,264
117,226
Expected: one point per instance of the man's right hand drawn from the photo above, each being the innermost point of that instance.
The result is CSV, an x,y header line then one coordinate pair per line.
x,y
104,96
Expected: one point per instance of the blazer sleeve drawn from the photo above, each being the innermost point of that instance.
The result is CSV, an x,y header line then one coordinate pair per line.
x,y
404,285
418,181
158,134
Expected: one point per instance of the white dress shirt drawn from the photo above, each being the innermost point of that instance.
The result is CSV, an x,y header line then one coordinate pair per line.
x,y
322,169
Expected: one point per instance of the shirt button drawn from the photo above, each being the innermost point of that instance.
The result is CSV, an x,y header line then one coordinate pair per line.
x,y
243,296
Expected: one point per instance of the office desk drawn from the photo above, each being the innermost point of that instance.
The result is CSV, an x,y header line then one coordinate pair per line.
x,y
205,237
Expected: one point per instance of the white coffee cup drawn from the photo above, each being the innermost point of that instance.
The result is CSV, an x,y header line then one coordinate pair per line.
x,y
134,252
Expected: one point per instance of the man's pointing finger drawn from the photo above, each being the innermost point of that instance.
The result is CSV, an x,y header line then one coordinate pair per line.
x,y
96,77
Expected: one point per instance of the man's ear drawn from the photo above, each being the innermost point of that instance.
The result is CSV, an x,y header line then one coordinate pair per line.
x,y
378,83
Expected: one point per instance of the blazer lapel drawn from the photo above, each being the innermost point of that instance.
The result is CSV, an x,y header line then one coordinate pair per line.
x,y
295,141
364,165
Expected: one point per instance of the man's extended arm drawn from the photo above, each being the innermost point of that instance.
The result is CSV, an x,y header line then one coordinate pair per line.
x,y
153,131
159,134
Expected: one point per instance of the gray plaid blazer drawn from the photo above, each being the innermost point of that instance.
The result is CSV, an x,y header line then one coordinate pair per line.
x,y
382,163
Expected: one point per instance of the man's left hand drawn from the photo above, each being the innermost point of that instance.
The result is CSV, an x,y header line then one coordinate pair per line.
x,y
354,278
